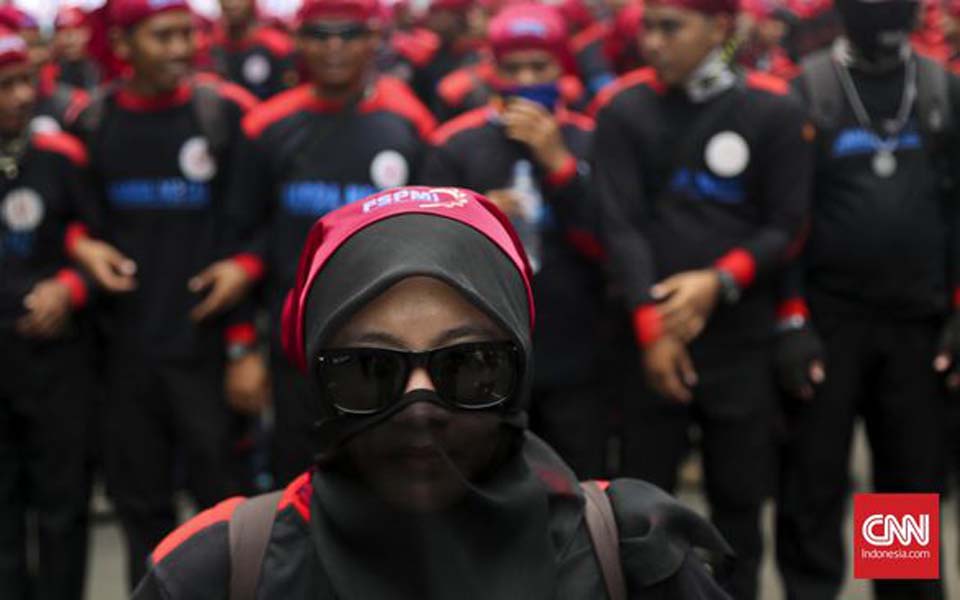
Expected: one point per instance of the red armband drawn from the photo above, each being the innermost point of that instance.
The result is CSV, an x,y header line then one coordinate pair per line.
x,y
75,284
740,264
647,325
251,264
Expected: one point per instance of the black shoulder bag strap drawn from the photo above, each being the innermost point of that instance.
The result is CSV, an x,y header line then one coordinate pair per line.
x,y
826,97
208,108
602,526
249,532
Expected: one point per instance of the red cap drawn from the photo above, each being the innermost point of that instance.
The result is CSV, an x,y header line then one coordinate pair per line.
x,y
127,13
13,50
574,12
15,19
708,7
529,27
364,11
952,8
70,17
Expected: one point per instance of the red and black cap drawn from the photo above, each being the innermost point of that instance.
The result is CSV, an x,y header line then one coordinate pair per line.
x,y
128,13
13,50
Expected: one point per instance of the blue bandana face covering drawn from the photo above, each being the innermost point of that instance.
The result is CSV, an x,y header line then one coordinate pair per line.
x,y
545,94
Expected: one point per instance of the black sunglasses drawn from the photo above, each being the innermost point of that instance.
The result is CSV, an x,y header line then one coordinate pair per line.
x,y
323,32
474,376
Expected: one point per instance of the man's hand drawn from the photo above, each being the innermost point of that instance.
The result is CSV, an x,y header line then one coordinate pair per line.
x,y
529,123
247,384
685,302
800,362
112,271
947,361
507,201
669,369
228,283
49,309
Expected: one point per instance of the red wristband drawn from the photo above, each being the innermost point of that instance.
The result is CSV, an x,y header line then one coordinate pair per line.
x,y
243,334
562,176
75,285
740,264
75,232
647,325
251,263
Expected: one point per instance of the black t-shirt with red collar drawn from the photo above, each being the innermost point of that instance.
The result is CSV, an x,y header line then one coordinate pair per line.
x,y
38,203
302,157
262,62
157,194
473,151
55,99
685,186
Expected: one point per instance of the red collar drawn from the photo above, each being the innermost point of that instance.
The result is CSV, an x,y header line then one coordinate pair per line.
x,y
132,101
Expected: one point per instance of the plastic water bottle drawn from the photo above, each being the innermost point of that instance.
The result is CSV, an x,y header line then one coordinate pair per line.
x,y
527,223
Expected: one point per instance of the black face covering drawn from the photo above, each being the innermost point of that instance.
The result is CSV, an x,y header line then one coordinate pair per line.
x,y
490,538
879,30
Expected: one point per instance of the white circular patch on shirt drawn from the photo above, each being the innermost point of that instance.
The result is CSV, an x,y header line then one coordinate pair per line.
x,y
196,163
22,209
256,69
727,154
389,169
44,124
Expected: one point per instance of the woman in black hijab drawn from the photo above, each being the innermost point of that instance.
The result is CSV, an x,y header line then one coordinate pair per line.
x,y
413,314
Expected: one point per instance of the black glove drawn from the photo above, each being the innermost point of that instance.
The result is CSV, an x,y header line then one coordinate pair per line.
x,y
948,353
799,362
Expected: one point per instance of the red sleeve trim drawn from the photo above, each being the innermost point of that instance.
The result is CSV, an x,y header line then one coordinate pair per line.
x,y
244,334
563,175
238,95
456,86
75,232
767,83
277,108
278,44
419,46
794,307
251,264
956,297
76,286
586,244
472,119
297,495
581,121
645,76
63,144
395,96
220,513
647,325
741,264
595,33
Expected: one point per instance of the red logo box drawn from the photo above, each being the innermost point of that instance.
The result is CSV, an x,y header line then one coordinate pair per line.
x,y
896,536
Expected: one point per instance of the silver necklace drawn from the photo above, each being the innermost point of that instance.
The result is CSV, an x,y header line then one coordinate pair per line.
x,y
884,159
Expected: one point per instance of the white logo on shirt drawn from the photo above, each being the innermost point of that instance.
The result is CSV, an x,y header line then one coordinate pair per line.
x,y
22,209
256,69
727,154
196,163
389,169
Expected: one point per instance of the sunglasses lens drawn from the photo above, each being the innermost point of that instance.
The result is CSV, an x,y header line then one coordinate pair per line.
x,y
360,381
476,375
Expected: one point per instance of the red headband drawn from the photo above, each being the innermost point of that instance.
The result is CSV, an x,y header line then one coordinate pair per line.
x,y
334,229
13,50
127,13
528,27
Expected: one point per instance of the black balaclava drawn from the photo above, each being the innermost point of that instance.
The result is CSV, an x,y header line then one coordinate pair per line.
x,y
495,541
879,30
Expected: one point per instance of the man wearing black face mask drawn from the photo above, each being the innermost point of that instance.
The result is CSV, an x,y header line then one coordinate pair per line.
x,y
870,326
525,149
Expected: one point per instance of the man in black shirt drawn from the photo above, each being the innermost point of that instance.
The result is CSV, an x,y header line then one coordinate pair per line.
x,y
46,370
702,174
159,147
526,152
873,300
343,135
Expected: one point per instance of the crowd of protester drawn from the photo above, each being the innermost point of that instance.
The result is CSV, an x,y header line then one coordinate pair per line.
x,y
740,218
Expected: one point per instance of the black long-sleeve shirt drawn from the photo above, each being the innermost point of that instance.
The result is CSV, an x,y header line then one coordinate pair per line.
x,y
262,62
302,157
37,207
473,151
157,195
883,244
734,194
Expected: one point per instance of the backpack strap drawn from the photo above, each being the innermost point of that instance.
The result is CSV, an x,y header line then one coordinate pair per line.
x,y
249,532
823,88
602,526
